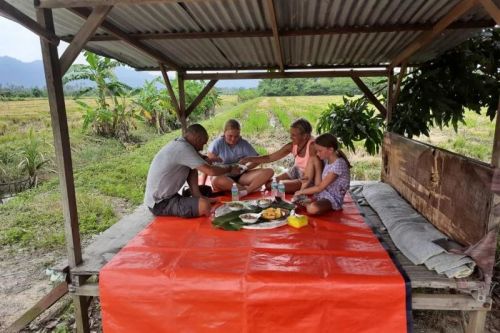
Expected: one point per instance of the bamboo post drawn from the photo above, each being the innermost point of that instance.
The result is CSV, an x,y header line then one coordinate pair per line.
x,y
182,102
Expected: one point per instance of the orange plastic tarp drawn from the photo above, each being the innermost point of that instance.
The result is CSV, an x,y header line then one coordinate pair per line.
x,y
181,275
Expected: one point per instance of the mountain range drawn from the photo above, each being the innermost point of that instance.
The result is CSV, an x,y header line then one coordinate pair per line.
x,y
30,74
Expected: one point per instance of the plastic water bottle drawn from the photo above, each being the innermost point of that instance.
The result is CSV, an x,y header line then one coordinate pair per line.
x,y
235,195
281,190
274,188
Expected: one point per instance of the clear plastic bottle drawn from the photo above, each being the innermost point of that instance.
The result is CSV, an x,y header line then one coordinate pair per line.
x,y
274,188
235,194
281,190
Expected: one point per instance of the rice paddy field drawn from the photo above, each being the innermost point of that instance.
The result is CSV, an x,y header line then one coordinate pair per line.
x,y
110,176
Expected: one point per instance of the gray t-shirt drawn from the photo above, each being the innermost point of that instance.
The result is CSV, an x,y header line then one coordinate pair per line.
x,y
231,155
169,170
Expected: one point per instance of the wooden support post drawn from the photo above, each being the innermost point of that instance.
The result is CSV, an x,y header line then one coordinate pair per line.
x,y
86,31
492,9
62,146
477,321
390,96
495,155
182,102
368,94
200,97
170,91
53,77
401,75
81,304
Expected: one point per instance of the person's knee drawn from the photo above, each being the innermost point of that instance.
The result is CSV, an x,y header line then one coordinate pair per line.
x,y
204,207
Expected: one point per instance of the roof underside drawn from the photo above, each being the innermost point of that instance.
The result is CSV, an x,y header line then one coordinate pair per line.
x,y
312,34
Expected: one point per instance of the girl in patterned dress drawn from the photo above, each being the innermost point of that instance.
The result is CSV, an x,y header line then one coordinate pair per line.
x,y
330,190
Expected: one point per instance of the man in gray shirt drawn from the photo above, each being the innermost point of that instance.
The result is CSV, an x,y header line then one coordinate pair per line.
x,y
176,163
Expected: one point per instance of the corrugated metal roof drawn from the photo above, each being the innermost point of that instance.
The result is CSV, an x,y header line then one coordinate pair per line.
x,y
320,50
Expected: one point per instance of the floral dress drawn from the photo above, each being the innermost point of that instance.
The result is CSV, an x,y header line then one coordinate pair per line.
x,y
336,191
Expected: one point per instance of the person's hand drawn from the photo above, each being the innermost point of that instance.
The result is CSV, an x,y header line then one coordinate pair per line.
x,y
248,159
235,170
297,193
216,159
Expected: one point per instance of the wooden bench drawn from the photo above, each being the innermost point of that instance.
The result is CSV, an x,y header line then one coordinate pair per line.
x,y
453,193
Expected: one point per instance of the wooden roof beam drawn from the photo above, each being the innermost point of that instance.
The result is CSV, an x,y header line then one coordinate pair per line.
x,y
296,32
286,75
91,3
427,37
200,97
86,31
371,97
277,44
170,91
16,15
161,58
492,9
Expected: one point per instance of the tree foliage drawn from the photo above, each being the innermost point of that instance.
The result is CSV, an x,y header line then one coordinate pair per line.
x,y
310,87
112,117
353,121
439,91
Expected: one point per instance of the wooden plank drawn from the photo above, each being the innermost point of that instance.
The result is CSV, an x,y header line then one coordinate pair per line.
x,y
372,98
92,3
447,302
426,38
86,31
113,29
170,91
492,9
16,15
390,97
46,302
432,180
87,289
107,244
53,78
287,75
200,97
296,32
278,52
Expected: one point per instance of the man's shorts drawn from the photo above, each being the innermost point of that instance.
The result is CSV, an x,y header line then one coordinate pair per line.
x,y
177,206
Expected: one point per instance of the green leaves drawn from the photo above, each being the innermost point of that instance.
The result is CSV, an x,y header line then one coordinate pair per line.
x,y
353,121
438,92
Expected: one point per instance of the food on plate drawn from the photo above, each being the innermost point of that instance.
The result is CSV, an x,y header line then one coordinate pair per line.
x,y
249,217
235,205
274,213
264,203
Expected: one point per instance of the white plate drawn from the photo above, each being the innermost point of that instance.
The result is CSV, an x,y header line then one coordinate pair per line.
x,y
266,225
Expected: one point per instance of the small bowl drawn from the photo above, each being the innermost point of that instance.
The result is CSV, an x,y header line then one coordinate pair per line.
x,y
249,217
264,203
235,205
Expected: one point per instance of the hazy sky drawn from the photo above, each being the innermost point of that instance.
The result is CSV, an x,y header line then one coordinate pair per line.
x,y
20,43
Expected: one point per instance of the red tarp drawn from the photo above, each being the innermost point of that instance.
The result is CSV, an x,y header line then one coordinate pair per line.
x,y
181,275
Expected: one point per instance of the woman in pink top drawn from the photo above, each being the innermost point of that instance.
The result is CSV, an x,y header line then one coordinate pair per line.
x,y
302,149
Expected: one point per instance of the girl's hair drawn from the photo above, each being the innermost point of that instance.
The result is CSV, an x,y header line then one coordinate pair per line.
x,y
232,124
303,125
330,141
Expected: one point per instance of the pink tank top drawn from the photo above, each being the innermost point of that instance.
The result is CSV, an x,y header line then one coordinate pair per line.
x,y
301,162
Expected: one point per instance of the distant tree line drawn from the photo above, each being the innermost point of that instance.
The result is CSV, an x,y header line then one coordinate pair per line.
x,y
12,92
